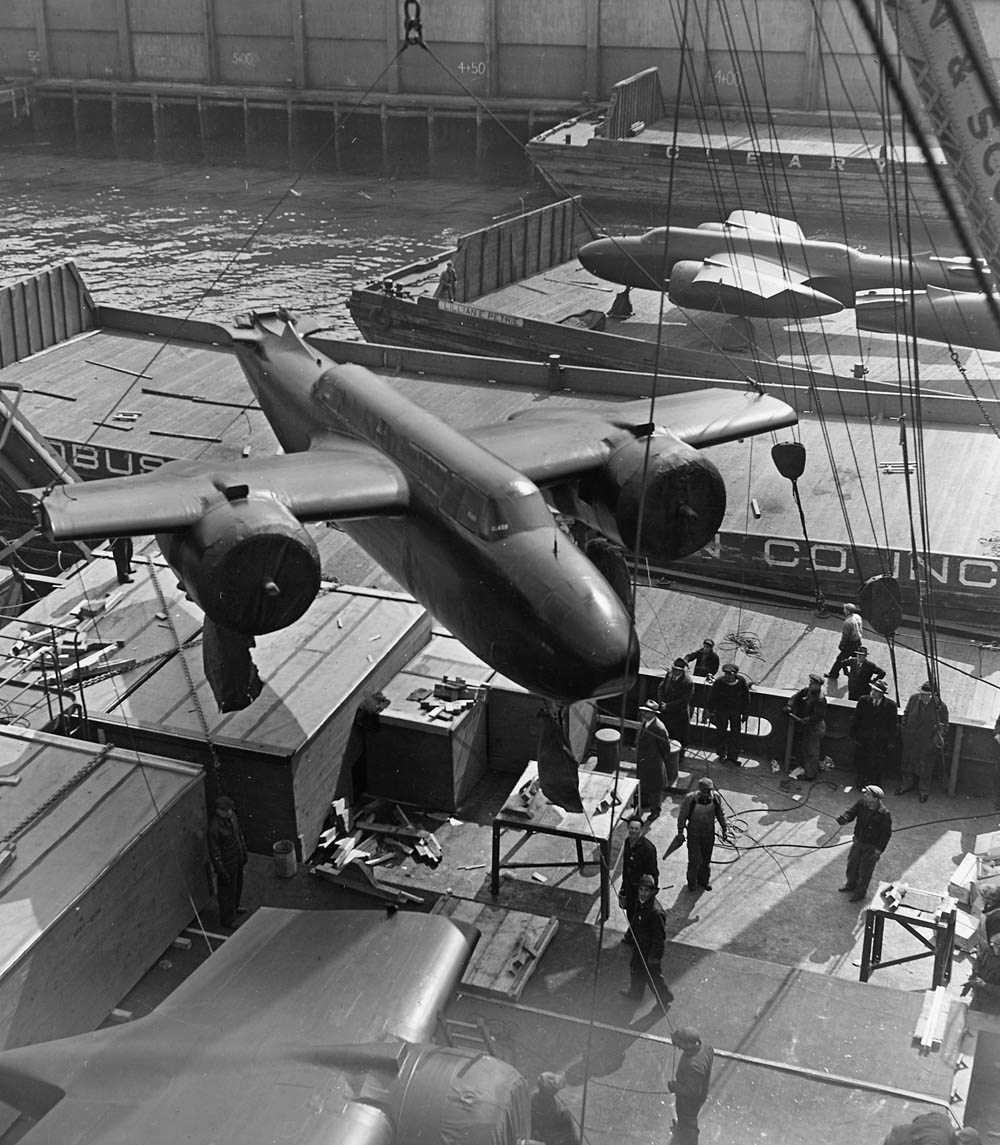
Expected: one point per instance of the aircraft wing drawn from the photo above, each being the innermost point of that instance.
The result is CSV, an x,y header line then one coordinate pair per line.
x,y
771,225
751,274
550,446
338,479
284,1034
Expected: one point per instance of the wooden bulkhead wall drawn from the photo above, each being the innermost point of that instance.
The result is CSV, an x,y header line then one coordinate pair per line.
x,y
43,310
507,252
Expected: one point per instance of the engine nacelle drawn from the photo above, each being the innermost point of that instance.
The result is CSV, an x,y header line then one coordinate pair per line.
x,y
765,296
680,493
455,1095
248,563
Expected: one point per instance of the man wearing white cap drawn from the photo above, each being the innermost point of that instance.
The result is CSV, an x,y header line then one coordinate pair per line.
x,y
652,753
551,1122
872,832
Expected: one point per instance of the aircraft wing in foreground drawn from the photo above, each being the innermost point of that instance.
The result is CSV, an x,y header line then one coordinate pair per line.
x,y
306,1028
756,265
463,521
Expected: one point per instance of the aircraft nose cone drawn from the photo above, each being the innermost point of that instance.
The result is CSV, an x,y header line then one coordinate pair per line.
x,y
594,649
604,259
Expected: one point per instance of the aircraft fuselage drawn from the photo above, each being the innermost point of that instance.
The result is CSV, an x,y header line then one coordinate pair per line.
x,y
477,545
834,269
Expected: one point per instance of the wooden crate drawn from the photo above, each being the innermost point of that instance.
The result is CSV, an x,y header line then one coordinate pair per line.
x,y
511,945
291,752
102,881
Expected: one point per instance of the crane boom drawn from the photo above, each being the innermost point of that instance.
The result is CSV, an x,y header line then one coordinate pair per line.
x,y
944,49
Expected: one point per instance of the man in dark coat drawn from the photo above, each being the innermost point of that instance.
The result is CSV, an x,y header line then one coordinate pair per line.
x,y
652,758
551,1122
872,832
925,724
228,853
690,1083
704,661
649,929
874,730
933,1128
728,707
699,812
807,711
675,695
638,859
860,673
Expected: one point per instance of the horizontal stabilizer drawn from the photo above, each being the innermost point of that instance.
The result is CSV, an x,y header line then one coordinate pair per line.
x,y
770,225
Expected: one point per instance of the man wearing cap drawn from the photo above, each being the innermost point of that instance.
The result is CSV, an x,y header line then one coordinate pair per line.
x,y
699,812
704,661
649,929
228,854
690,1083
872,832
675,695
638,859
551,1122
850,639
860,673
932,1128
728,707
807,711
652,755
874,730
925,724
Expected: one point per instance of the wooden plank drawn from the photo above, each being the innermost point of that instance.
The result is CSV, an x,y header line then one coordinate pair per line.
x,y
50,334
32,317
8,348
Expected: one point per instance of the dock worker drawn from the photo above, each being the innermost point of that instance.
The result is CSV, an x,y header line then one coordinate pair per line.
x,y
122,549
932,1128
638,859
649,929
699,812
807,711
872,832
447,282
690,1083
996,766
728,707
874,731
860,673
675,694
850,640
704,661
228,854
551,1122
652,758
925,724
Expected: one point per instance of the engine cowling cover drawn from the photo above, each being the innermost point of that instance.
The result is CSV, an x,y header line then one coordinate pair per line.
x,y
697,286
248,563
679,492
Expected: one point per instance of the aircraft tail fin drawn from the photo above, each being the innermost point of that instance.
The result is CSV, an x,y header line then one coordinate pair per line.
x,y
767,224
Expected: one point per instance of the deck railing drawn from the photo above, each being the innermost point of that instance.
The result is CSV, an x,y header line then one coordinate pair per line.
x,y
42,310
635,100
508,252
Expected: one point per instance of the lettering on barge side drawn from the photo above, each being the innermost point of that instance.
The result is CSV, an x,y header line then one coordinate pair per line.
x,y
847,164
476,312
92,461
948,571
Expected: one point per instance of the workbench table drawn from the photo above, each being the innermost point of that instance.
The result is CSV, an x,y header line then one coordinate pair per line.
x,y
916,912
537,816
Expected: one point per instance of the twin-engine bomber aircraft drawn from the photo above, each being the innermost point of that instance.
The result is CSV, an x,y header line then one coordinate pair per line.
x,y
759,266
463,521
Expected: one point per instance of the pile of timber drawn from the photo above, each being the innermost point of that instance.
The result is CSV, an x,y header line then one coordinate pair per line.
x,y
381,833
